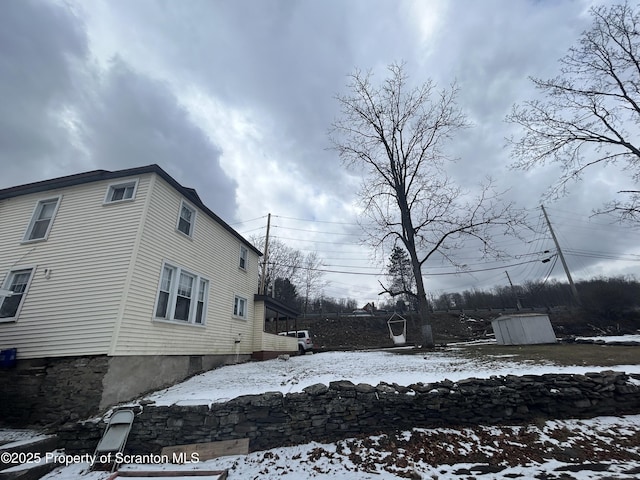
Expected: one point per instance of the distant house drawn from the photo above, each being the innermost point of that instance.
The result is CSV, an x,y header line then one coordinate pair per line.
x,y
125,274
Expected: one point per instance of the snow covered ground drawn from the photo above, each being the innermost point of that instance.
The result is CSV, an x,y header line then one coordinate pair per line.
x,y
605,447
613,338
597,449
370,367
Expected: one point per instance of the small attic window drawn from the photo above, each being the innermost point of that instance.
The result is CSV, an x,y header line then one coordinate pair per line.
x,y
121,192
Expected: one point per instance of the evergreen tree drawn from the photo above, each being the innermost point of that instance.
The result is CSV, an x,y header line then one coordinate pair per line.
x,y
285,291
401,276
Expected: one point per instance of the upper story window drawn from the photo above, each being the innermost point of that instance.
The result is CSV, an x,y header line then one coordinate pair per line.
x,y
187,218
16,282
244,255
120,192
42,219
182,296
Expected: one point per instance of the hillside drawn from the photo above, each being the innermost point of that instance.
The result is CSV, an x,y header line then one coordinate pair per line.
x,y
349,332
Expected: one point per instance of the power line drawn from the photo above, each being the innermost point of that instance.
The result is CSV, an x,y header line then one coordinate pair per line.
x,y
313,241
314,221
424,274
315,231
247,221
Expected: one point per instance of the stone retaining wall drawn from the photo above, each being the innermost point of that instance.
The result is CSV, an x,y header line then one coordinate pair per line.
x,y
343,409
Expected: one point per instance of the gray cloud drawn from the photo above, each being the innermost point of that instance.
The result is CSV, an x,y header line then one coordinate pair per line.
x,y
131,119
41,46
104,86
61,114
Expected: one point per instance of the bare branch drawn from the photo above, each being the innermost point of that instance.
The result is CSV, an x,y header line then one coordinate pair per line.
x,y
395,135
590,114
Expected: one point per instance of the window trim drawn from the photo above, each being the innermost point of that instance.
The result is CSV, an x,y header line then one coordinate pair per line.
x,y
184,203
246,307
173,294
5,285
205,301
112,186
32,222
243,250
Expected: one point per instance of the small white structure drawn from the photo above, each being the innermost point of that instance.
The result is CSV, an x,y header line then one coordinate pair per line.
x,y
523,329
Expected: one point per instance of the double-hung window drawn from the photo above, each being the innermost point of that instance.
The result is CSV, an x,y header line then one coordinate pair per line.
x,y
202,301
17,283
240,307
42,219
182,296
120,192
164,293
243,258
186,219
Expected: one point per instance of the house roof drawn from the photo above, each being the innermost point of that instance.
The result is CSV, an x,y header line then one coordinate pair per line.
x,y
99,175
277,306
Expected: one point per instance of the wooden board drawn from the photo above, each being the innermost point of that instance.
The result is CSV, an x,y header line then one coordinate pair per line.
x,y
207,451
176,474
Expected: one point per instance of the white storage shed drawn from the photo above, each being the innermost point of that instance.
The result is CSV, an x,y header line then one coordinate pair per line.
x,y
523,329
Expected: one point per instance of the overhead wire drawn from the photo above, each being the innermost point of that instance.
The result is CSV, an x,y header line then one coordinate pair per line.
x,y
540,246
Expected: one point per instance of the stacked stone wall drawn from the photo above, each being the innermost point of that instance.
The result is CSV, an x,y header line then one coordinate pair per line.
x,y
51,391
342,409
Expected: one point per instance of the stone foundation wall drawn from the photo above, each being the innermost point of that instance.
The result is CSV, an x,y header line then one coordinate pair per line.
x,y
53,390
342,409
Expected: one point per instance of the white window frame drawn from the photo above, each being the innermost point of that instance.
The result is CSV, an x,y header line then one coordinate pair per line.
x,y
192,228
34,218
244,258
237,301
8,279
111,188
202,296
199,281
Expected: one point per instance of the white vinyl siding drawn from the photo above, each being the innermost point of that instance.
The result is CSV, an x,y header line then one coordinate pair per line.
x,y
212,255
71,309
42,219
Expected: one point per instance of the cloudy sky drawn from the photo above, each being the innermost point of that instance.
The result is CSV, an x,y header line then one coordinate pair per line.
x,y
235,98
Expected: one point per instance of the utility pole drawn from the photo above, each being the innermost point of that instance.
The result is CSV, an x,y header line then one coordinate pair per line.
x,y
266,258
515,294
574,291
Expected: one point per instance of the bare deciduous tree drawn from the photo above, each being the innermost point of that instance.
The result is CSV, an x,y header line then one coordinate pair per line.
x,y
304,272
283,262
395,135
311,277
591,111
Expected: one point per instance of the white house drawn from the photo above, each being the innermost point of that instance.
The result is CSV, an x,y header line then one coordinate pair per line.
x,y
132,269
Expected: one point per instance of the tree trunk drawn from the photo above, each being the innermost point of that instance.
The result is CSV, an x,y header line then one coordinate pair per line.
x,y
410,244
425,315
